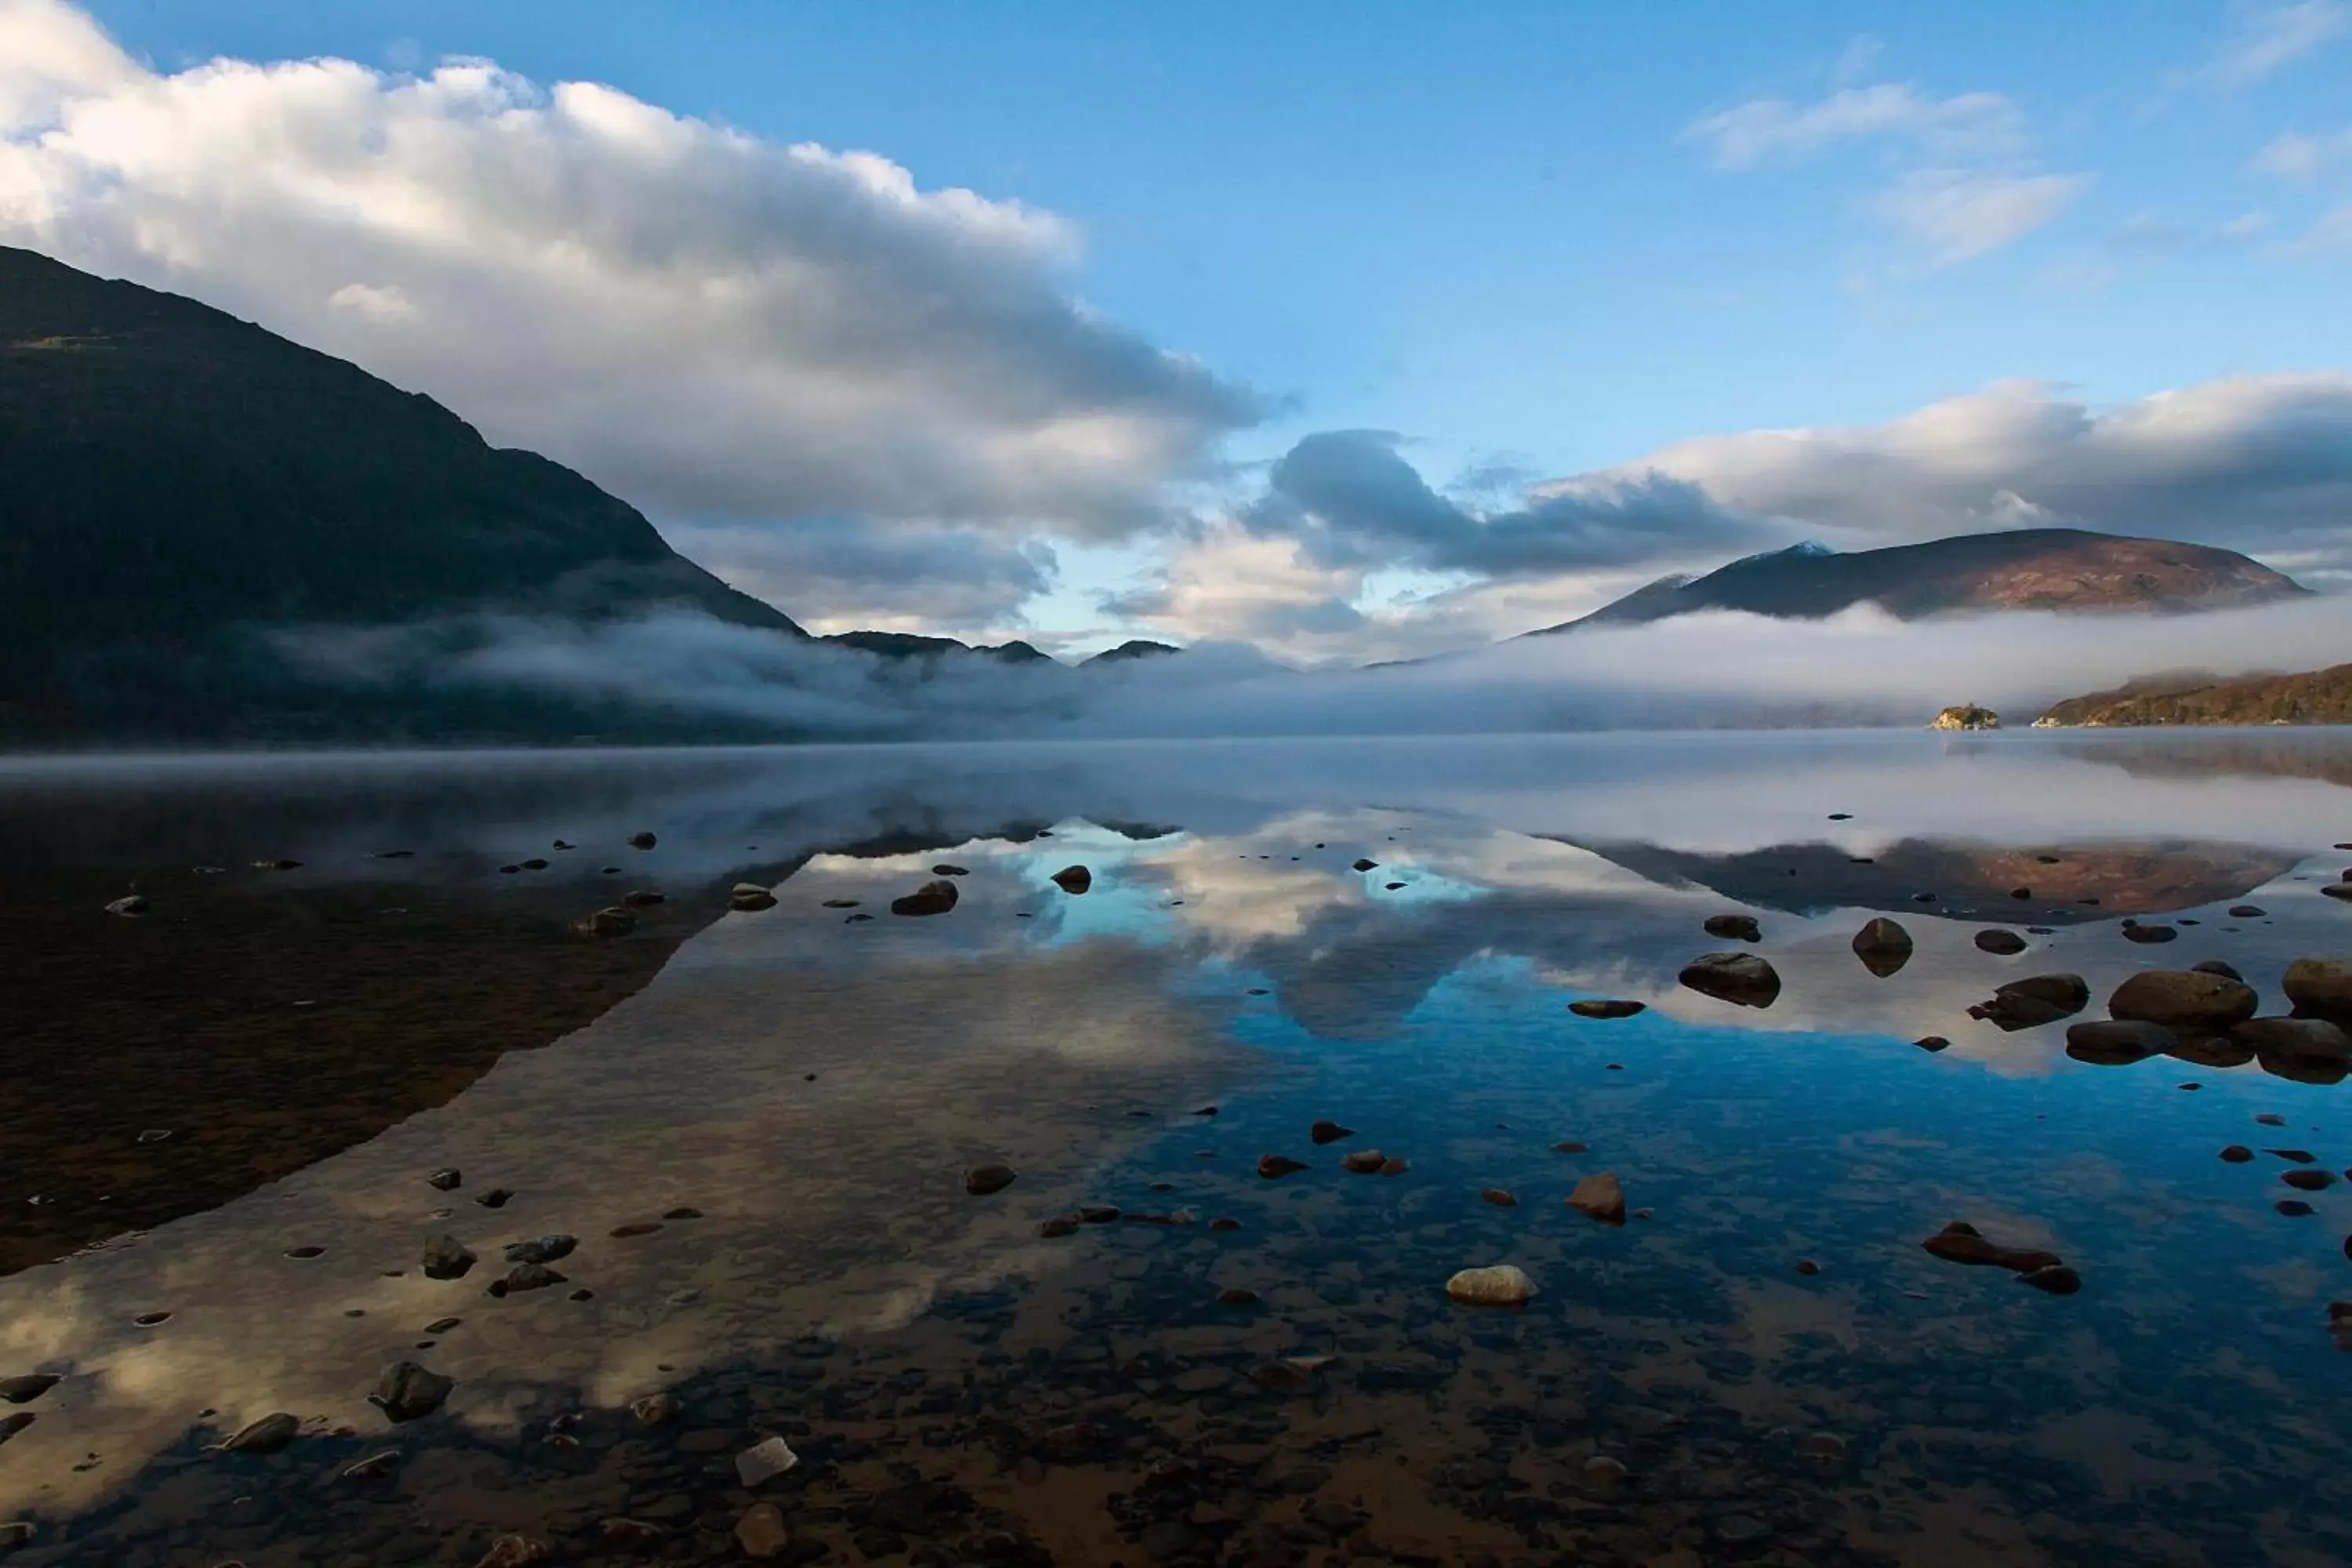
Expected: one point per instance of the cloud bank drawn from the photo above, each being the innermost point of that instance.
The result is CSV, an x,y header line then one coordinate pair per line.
x,y
721,329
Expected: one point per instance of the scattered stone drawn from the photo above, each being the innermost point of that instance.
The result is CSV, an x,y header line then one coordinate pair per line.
x,y
1058,1226
1235,1296
1272,1166
1600,1196
1734,927
2247,911
2053,1277
1740,978
2135,931
1364,1162
857,920
1500,1198
12,1425
2119,1043
682,1212
840,903
2293,1208
1932,1042
542,1249
1960,1242
155,1135
266,1435
2002,944
606,922
1568,1148
2183,999
408,1392
447,1179
642,840
2036,999
496,1198
1807,1267
1098,1214
1824,1448
518,1551
2269,1118
1394,1166
761,1532
1602,1476
750,899
944,869
982,1179
280,864
448,1258
764,1461
131,906
304,1254
655,1409
2308,1181
641,899
930,898
2308,1037
26,1389
375,1467
1367,864
525,1277
1884,946
1328,1132
1073,879
2020,894
1221,1223
2237,1154
442,1325
1607,1009
625,1532
634,1228
1500,1284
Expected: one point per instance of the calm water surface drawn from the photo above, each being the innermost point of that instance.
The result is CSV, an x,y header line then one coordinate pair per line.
x,y
217,1120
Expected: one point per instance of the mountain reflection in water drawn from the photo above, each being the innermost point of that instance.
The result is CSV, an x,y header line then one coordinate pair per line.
x,y
316,1040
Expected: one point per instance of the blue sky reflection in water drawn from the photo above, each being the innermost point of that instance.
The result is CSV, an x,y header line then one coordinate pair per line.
x,y
839,1285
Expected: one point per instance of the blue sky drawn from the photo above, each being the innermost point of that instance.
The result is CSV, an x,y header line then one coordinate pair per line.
x,y
1506,233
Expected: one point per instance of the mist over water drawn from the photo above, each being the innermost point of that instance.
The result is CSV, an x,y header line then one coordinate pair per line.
x,y
1707,670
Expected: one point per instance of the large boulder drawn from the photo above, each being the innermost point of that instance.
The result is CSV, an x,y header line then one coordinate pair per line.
x,y
931,898
2117,1042
2184,999
1740,978
2036,999
2321,986
1884,946
2312,1037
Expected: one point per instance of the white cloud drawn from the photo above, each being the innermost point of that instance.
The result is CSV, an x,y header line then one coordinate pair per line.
x,y
1969,184
2295,156
1958,214
2259,461
1766,129
717,327
2269,38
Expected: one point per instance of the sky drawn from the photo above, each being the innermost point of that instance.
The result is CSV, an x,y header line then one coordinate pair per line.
x,y
1351,333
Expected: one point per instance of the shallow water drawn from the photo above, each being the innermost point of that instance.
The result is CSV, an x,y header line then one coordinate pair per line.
x,y
1781,1370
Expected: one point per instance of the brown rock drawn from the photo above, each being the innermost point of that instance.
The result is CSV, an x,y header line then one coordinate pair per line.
x,y
982,1179
408,1392
1600,1196
2002,944
1740,978
2296,1037
1500,1198
2118,1042
1884,946
2054,1277
655,1409
266,1435
1608,1009
2237,1154
2321,986
24,1390
761,1532
931,898
1363,1162
447,1258
520,1550
1271,1166
2183,999
2034,1000
1499,1285
1734,927
1330,1133
1073,879
1960,1242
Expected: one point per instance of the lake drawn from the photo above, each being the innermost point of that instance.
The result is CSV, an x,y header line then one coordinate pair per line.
x,y
355,1019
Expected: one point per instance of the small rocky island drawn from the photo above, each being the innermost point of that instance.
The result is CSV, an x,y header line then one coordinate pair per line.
x,y
1966,716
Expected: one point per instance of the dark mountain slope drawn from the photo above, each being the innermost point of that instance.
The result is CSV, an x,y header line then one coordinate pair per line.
x,y
169,474
2027,569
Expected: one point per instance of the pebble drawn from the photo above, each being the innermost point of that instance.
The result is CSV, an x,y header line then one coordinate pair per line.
x,y
447,1179
542,1249
2237,1154
1500,1198
761,1532
525,1277
655,1409
1272,1166
982,1180
1498,1285
408,1392
448,1258
1960,1242
764,1461
1073,879
131,906
372,1467
1606,1009
1734,927
496,1198
2003,943
266,1435
1363,1162
1328,1132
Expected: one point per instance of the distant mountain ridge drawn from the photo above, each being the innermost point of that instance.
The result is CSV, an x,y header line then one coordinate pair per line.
x,y
2026,569
2318,697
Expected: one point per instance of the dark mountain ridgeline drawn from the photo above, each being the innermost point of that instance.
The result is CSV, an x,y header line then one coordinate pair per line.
x,y
2027,569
